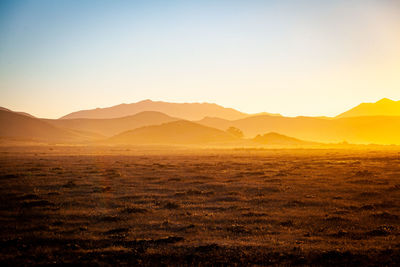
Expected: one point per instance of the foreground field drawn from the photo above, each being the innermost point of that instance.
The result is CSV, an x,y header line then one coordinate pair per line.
x,y
238,207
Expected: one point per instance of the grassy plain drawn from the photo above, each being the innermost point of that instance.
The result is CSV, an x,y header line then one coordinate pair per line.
x,y
148,206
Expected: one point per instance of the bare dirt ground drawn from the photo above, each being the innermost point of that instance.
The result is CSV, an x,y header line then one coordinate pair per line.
x,y
109,206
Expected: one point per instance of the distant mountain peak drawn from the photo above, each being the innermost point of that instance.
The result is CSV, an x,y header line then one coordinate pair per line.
x,y
383,107
176,132
187,111
110,127
18,112
385,100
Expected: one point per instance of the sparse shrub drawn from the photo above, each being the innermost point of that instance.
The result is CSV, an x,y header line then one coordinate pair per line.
x,y
235,132
69,184
130,210
171,205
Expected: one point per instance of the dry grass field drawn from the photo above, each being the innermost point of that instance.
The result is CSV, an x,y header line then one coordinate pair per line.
x,y
110,206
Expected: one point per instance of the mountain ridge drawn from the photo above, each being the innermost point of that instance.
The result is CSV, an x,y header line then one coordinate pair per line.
x,y
186,111
17,126
373,129
276,139
113,126
178,132
383,107
358,130
17,112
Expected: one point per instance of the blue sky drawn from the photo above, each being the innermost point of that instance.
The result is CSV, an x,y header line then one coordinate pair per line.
x,y
292,57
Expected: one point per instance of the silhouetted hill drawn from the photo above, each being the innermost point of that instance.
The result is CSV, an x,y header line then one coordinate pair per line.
x,y
276,139
383,107
358,130
17,126
18,112
187,111
178,132
110,127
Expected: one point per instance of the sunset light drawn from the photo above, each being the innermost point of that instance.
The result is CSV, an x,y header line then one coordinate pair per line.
x,y
199,133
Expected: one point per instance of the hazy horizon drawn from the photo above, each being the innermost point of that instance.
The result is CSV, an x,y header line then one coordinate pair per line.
x,y
171,182
306,58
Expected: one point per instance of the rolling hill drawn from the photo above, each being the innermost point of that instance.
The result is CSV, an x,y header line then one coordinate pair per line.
x,y
22,127
383,107
18,112
357,130
177,132
187,111
110,127
156,127
275,139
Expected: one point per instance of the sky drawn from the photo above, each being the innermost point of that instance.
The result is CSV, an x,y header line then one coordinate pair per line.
x,y
304,57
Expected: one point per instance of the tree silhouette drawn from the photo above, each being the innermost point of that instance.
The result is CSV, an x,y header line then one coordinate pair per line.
x,y
235,132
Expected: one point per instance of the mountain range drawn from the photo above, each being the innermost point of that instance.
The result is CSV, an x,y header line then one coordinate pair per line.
x,y
110,127
358,130
383,107
14,125
187,111
203,123
276,139
177,132
21,113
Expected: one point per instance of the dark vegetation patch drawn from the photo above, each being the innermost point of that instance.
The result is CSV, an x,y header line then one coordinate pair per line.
x,y
8,176
174,179
295,204
336,219
116,231
112,173
368,194
226,199
69,184
29,197
385,216
254,214
194,192
288,223
238,229
394,188
171,205
363,173
106,218
102,189
368,182
36,203
131,210
272,180
383,230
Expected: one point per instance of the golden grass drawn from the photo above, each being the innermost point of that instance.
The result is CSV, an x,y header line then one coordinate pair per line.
x,y
110,206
